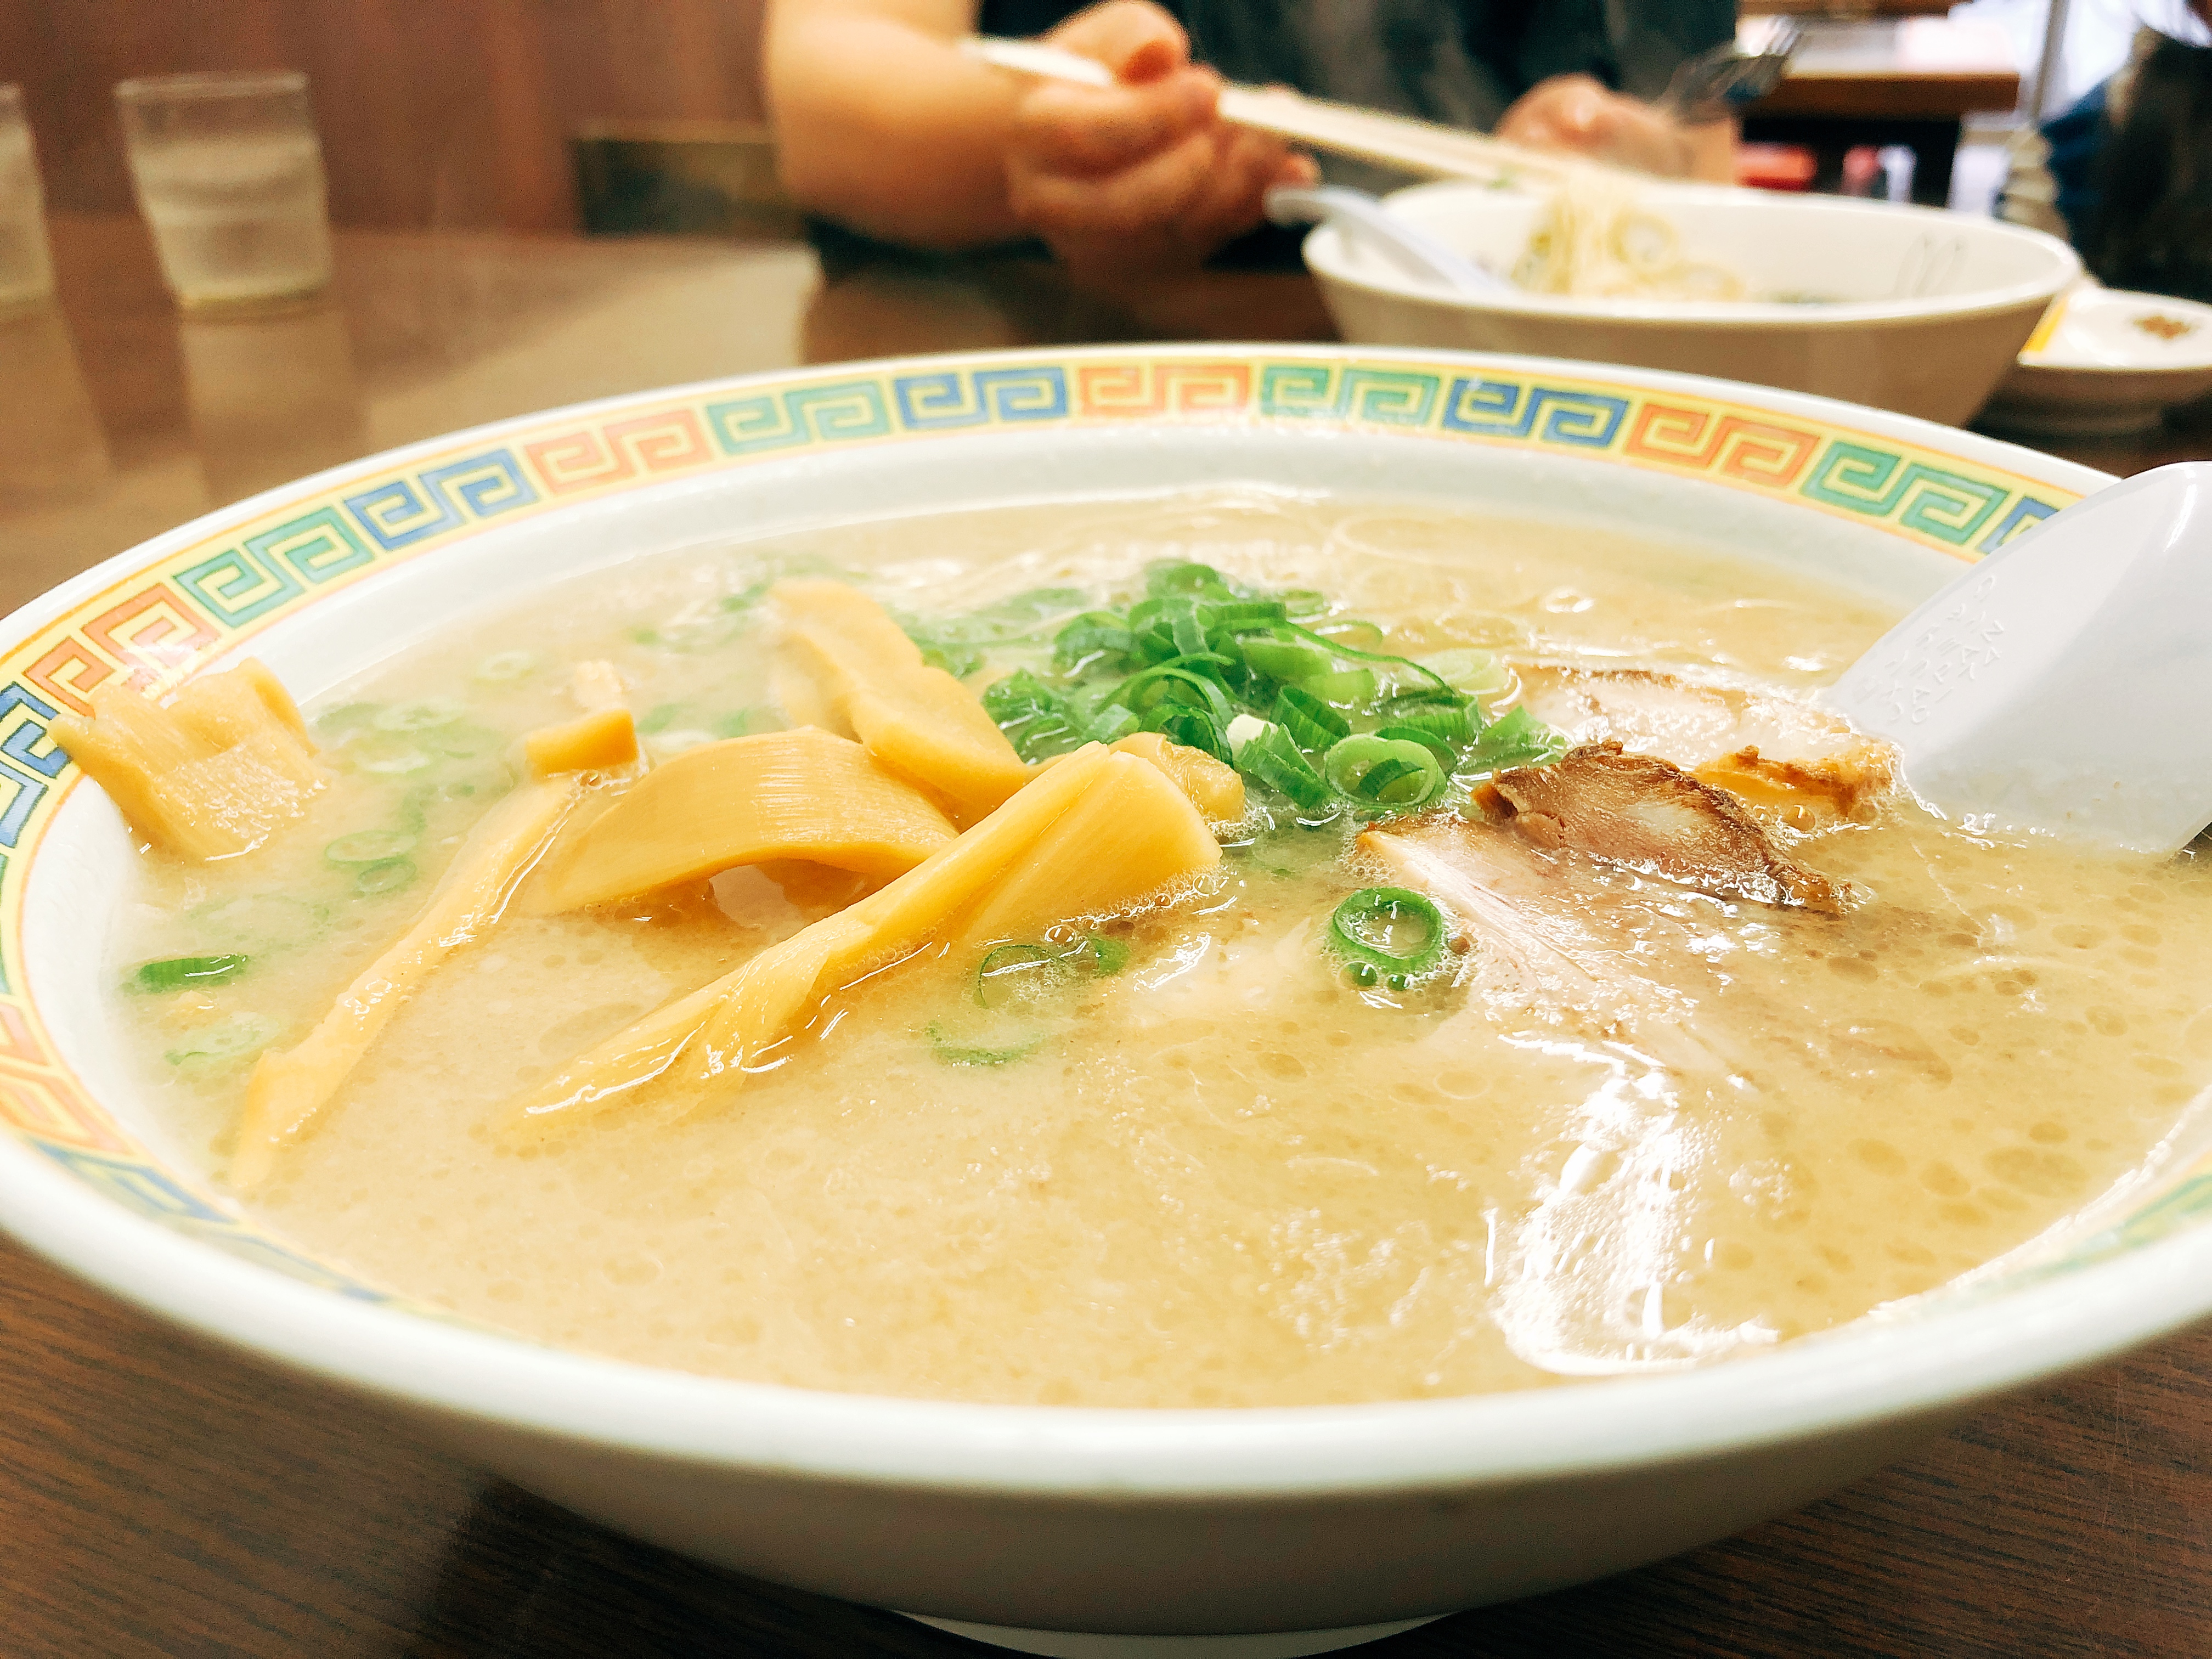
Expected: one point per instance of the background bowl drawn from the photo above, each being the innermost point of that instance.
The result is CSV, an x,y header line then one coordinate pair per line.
x,y
1928,308
1175,1522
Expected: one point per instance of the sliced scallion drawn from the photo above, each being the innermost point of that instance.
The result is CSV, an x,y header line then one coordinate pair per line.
x,y
385,875
1389,931
1283,660
1386,773
188,973
958,1048
1273,759
369,847
1352,689
1517,739
1312,724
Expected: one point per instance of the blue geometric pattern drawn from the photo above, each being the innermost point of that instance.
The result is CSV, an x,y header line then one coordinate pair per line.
x,y
2026,512
138,1187
20,794
23,738
401,512
954,397
1510,409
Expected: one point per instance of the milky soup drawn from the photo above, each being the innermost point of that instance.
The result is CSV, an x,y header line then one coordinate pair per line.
x,y
1558,1053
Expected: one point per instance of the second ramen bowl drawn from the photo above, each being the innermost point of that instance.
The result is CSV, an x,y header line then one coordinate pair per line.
x,y
1909,309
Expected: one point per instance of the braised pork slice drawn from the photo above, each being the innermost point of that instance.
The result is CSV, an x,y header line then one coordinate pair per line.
x,y
1645,814
1772,750
1549,936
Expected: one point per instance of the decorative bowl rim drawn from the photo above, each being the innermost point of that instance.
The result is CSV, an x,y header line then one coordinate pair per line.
x,y
2135,1288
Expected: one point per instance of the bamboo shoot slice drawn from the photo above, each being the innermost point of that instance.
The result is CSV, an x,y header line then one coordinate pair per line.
x,y
917,721
212,776
1213,788
803,794
715,1030
1133,833
288,1089
601,741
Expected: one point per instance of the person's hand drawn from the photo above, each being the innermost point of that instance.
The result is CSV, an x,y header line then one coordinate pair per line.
x,y
1142,176
1582,117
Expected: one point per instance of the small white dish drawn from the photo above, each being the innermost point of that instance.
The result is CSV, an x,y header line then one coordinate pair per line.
x,y
2108,361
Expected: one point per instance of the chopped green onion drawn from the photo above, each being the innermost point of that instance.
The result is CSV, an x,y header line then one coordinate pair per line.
x,y
1177,681
1187,578
1095,635
1273,759
1447,754
1450,692
957,660
1187,633
1014,975
1477,673
1518,739
1102,957
1193,728
386,754
188,973
421,716
743,723
1235,614
659,718
1351,691
1280,660
1037,719
1453,724
1384,772
385,875
369,847
1341,632
463,740
1388,930
346,717
953,1048
228,1039
506,665
1312,724
1113,723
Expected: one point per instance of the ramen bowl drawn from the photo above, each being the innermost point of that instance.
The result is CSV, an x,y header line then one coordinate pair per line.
x,y
1909,309
1027,1520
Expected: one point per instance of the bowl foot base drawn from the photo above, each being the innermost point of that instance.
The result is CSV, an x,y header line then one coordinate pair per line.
x,y
1074,1645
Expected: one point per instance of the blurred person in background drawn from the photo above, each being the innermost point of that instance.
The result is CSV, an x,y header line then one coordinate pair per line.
x,y
2125,173
884,127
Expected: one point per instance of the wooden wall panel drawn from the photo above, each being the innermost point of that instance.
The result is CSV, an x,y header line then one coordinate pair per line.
x,y
431,111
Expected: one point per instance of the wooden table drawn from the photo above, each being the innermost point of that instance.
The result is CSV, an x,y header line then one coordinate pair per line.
x,y
158,1497
1909,82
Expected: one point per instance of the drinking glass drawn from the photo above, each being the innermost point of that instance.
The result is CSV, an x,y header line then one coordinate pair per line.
x,y
230,177
27,269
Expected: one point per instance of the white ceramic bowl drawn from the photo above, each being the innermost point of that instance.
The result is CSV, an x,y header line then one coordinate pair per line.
x,y
1170,1522
2113,363
1931,307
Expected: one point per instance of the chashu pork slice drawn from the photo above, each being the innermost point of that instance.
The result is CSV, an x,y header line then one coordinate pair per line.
x,y
1772,750
1642,813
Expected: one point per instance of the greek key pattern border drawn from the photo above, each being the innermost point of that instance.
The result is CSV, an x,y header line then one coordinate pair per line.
x,y
165,621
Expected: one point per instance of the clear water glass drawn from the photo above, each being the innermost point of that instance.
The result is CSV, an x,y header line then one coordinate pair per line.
x,y
230,177
27,269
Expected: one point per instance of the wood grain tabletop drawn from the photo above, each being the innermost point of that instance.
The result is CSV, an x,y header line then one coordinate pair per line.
x,y
159,1496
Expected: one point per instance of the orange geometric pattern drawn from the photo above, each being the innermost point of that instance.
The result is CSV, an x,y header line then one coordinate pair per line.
x,y
1133,391
1753,452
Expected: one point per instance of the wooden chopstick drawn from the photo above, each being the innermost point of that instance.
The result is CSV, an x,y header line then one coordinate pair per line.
x,y
1397,141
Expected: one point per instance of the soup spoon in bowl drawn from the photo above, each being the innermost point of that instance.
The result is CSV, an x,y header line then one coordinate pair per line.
x,y
2064,685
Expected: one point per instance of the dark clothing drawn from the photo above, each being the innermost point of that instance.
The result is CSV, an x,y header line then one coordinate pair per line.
x,y
1462,62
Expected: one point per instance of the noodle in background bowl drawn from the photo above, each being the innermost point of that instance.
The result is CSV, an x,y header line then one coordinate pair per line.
x,y
1169,1521
1921,311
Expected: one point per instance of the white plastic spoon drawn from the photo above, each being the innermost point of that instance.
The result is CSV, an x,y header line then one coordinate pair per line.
x,y
2063,684
1358,216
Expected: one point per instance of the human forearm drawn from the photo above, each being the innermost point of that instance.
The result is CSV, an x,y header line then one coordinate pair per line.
x,y
882,124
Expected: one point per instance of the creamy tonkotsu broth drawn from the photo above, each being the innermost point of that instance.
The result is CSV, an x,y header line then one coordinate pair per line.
x,y
1227,1174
